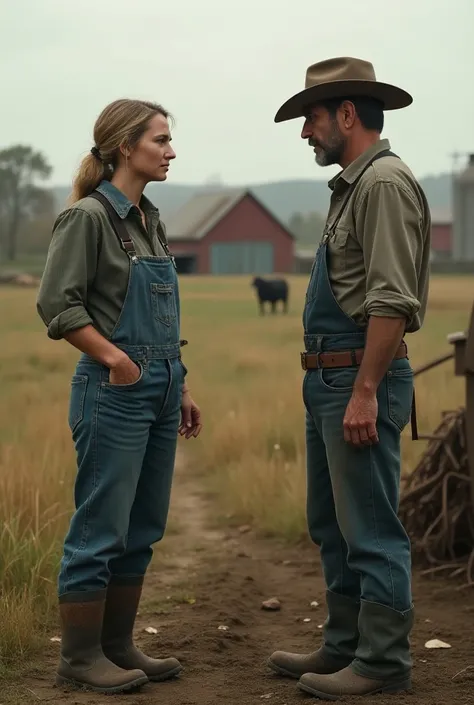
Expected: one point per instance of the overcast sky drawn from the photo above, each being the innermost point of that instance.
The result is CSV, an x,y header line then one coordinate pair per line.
x,y
223,69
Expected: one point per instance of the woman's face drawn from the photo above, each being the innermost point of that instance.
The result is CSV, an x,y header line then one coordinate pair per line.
x,y
150,157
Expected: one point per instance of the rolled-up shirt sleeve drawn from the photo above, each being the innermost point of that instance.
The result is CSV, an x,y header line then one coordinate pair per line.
x,y
70,269
389,227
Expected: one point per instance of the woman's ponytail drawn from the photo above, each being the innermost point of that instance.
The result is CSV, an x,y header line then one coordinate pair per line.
x,y
89,175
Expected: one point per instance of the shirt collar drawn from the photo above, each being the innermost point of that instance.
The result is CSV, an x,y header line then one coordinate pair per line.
x,y
355,168
122,205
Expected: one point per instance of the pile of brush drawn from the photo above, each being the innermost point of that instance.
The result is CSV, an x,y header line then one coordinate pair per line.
x,y
436,505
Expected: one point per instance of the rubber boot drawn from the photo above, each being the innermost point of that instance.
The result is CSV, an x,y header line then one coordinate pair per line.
x,y
82,663
340,634
121,608
382,664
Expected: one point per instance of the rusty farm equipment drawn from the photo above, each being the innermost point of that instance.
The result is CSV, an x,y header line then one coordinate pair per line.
x,y
437,501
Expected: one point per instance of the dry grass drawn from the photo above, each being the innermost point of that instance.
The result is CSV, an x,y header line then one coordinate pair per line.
x,y
243,371
245,374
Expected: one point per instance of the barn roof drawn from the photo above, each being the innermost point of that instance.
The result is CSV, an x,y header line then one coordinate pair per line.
x,y
203,211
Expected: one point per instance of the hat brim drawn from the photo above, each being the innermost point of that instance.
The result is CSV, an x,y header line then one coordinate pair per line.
x,y
391,97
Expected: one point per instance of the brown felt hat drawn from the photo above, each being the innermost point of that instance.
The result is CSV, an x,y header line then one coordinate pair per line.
x,y
340,77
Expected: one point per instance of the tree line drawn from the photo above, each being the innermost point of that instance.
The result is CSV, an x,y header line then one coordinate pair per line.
x,y
27,208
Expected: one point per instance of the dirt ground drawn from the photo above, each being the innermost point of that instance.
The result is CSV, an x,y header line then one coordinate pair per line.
x,y
210,577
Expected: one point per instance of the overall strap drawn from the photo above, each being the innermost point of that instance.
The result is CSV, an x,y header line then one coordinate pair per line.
x,y
117,224
384,153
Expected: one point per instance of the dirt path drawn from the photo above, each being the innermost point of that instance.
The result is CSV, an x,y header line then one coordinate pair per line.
x,y
206,578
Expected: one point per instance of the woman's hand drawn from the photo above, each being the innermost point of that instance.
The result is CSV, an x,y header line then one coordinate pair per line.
x,y
124,372
190,416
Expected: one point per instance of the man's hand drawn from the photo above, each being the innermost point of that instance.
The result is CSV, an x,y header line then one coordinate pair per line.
x,y
383,338
360,419
190,417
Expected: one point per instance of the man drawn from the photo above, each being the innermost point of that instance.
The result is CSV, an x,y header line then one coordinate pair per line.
x,y
368,287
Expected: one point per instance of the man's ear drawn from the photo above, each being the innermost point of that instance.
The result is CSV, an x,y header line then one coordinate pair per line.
x,y
348,114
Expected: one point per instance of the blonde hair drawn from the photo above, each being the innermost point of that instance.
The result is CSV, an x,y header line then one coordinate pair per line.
x,y
122,122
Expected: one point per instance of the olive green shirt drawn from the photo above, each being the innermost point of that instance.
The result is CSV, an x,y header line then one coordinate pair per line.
x,y
86,274
379,253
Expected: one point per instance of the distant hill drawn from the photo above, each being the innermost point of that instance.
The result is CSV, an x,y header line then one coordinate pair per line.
x,y
284,198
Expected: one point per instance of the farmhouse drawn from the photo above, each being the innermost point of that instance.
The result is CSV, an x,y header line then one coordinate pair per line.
x,y
229,232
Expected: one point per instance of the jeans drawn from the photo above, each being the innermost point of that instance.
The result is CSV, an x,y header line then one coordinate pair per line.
x,y
125,438
353,493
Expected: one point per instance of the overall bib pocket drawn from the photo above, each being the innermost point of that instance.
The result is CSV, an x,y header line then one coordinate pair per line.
x,y
163,302
77,399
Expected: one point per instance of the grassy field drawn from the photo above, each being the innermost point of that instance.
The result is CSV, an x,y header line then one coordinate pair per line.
x,y
244,373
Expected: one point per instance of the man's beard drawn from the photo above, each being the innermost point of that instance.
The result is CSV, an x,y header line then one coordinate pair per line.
x,y
331,151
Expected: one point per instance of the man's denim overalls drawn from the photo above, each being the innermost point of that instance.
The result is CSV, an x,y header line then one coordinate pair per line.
x,y
352,493
126,435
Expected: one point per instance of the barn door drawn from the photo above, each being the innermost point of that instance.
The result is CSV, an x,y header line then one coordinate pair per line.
x,y
242,258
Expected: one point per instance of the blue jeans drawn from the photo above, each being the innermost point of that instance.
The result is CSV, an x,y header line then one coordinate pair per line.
x,y
125,438
353,493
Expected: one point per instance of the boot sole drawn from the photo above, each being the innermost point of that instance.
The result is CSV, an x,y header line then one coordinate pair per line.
x,y
389,689
166,676
78,685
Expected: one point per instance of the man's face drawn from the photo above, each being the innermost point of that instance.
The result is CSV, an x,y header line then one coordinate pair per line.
x,y
322,131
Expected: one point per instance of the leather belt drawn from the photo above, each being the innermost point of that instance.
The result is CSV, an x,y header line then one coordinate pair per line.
x,y
341,358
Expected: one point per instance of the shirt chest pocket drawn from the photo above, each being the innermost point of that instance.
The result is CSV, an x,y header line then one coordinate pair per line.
x,y
338,243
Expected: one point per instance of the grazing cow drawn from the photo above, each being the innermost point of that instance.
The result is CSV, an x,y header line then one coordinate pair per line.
x,y
271,290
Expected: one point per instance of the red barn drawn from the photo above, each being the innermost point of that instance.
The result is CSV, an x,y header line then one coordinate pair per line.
x,y
229,232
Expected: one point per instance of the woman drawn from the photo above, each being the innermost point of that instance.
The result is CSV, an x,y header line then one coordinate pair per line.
x,y
110,289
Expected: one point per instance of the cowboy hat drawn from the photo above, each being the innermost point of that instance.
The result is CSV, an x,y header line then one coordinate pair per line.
x,y
340,77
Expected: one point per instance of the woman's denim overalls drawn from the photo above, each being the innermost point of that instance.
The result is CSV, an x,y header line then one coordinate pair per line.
x,y
126,435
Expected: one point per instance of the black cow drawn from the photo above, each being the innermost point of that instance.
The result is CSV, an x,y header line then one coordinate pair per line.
x,y
271,290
